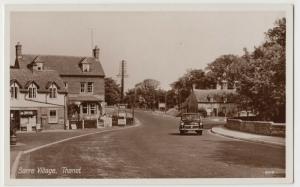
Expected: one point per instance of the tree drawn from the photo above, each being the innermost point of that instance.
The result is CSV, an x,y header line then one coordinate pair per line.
x,y
226,67
263,76
183,86
112,91
146,91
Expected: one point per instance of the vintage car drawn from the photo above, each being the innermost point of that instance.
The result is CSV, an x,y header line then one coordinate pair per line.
x,y
191,122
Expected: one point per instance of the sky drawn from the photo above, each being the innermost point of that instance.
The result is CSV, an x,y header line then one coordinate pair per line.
x,y
156,45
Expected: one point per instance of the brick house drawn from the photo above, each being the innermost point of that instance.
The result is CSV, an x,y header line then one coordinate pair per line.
x,y
82,77
213,102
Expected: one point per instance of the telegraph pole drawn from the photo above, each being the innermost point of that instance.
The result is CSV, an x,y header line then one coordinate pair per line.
x,y
122,74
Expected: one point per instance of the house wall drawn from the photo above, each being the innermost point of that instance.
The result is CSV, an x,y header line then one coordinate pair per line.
x,y
74,86
42,104
41,100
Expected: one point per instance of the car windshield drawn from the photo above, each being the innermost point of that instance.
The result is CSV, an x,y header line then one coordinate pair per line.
x,y
190,117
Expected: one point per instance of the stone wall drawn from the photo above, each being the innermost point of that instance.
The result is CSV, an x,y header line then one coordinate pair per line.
x,y
257,127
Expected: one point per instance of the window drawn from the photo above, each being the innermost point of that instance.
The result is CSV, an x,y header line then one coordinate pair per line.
x,y
93,109
82,87
90,87
85,67
66,85
84,108
32,91
14,91
53,91
52,116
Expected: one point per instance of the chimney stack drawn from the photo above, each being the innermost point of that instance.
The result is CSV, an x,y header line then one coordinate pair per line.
x,y
18,54
194,86
96,52
224,85
18,50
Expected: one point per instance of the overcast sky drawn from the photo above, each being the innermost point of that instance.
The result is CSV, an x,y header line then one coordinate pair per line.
x,y
158,45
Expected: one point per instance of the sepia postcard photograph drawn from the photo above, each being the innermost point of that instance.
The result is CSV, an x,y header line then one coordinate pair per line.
x,y
136,94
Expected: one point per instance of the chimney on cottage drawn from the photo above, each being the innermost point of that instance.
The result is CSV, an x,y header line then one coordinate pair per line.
x,y
235,84
18,55
193,86
219,87
96,52
224,85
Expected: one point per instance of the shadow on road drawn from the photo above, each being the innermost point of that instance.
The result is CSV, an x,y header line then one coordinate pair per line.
x,y
187,134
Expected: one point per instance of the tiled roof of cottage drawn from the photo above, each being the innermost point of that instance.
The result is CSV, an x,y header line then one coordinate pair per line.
x,y
65,65
217,95
41,78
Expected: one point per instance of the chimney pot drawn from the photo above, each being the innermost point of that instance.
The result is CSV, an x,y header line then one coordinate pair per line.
x,y
96,52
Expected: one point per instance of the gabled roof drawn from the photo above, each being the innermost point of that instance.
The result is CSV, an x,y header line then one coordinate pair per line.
x,y
217,95
65,65
40,78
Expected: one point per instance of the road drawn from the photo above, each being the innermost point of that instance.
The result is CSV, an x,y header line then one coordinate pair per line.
x,y
154,150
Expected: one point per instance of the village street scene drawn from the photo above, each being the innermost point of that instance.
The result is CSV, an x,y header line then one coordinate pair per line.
x,y
148,95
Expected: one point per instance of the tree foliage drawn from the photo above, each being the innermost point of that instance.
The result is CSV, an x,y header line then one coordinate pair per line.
x,y
112,91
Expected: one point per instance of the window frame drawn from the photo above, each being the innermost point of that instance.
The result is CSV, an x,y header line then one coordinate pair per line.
x,y
14,89
85,106
32,91
53,91
82,89
94,108
52,119
90,85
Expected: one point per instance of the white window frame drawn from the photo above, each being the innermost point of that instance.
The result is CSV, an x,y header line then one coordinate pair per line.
x,y
90,87
87,108
53,91
14,91
93,107
32,91
51,119
82,89
86,67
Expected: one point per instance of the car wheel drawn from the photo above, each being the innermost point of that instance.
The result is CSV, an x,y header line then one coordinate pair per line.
x,y
199,132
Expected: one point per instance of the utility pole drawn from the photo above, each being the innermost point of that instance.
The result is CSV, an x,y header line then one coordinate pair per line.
x,y
122,74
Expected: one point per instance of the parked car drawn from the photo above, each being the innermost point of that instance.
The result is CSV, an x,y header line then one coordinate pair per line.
x,y
191,122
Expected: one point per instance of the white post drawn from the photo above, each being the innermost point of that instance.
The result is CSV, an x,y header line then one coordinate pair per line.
x,y
83,124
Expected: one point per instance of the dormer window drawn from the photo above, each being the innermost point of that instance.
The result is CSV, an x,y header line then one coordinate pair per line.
x,y
39,66
14,89
32,90
53,91
85,67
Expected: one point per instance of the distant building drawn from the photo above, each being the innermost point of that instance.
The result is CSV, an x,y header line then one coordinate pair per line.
x,y
212,102
82,78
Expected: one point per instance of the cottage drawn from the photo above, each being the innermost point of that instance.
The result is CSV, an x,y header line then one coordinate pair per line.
x,y
37,99
82,78
211,102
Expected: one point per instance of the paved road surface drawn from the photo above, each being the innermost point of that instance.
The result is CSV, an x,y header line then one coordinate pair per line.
x,y
155,150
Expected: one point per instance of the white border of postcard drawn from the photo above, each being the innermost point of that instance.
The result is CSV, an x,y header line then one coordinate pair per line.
x,y
288,8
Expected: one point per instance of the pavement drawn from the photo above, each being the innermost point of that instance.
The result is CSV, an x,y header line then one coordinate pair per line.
x,y
155,149
272,140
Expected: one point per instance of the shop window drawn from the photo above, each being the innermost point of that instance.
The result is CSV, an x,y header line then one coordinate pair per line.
x,y
93,109
84,108
52,116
